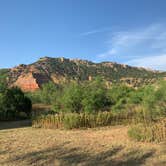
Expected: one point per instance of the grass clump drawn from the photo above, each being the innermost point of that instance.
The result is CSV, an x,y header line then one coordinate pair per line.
x,y
140,133
154,132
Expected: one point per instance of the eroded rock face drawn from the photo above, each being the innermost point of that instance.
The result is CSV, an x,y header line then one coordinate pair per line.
x,y
31,81
27,82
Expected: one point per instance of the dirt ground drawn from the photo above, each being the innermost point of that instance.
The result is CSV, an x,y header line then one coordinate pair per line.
x,y
108,146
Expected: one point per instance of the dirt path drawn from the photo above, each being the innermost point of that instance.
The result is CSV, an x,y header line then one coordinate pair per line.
x,y
101,146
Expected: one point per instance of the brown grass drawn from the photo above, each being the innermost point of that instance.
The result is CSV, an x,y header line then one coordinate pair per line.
x,y
99,146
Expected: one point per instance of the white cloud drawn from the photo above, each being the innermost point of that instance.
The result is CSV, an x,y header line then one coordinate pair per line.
x,y
154,62
110,52
94,31
135,46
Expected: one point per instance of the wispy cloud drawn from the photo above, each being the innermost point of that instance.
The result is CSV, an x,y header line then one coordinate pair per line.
x,y
154,62
136,47
94,31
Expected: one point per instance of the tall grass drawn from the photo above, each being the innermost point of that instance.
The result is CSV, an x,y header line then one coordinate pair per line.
x,y
159,131
80,120
153,132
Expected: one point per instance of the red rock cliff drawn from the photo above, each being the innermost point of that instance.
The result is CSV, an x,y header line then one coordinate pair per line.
x,y
27,82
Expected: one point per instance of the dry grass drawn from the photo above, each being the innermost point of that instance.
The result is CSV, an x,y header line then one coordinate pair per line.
x,y
81,120
100,146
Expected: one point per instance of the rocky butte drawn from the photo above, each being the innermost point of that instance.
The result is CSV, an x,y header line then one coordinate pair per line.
x,y
59,70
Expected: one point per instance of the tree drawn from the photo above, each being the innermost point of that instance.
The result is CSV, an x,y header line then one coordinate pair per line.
x,y
13,102
72,97
119,95
95,96
48,93
3,84
89,96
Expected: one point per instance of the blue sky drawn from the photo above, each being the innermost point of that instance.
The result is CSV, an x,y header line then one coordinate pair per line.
x,y
124,31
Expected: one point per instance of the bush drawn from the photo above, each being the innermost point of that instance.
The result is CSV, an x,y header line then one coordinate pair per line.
x,y
13,103
95,96
72,97
119,95
48,94
154,101
85,97
143,105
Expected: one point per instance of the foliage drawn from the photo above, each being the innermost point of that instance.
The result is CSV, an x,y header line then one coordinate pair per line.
x,y
147,102
85,97
81,104
46,95
119,95
3,85
72,97
14,104
152,100
95,96
3,73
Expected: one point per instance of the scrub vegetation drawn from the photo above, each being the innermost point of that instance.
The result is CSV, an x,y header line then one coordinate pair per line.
x,y
92,104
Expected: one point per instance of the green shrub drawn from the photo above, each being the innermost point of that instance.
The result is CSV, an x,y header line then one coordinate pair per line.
x,y
48,94
143,105
119,96
13,104
83,97
71,99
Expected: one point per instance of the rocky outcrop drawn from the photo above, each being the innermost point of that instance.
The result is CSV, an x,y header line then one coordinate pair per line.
x,y
27,82
59,70
31,81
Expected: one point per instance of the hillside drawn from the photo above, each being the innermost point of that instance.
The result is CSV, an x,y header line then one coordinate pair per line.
x,y
31,77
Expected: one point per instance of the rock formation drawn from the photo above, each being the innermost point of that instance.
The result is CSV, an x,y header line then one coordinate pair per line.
x,y
59,70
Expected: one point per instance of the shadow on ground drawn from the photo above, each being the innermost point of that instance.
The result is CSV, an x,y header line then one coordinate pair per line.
x,y
15,124
63,156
